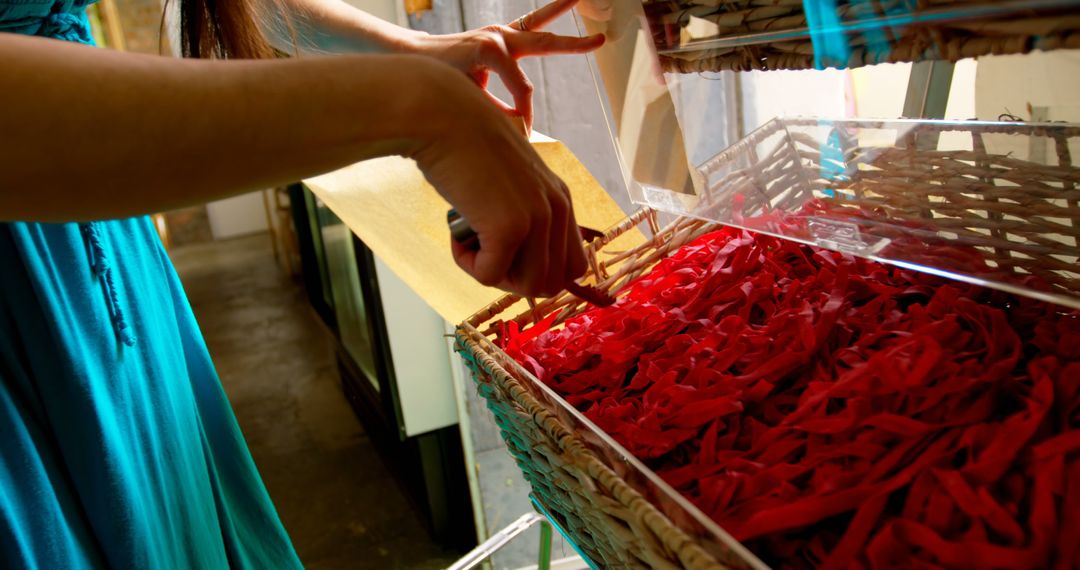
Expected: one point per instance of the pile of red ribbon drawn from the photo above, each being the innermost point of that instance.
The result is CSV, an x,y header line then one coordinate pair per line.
x,y
832,412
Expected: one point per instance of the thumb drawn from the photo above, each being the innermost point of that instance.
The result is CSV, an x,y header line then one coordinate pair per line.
x,y
491,262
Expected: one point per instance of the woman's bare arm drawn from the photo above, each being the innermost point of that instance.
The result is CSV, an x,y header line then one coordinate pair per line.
x,y
332,26
87,134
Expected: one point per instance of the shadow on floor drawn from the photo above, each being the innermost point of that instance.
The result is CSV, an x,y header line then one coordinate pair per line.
x,y
334,495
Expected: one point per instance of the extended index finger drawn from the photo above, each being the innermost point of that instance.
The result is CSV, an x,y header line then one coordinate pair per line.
x,y
543,43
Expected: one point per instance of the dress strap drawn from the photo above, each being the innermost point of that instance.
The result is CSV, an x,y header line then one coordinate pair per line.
x,y
99,265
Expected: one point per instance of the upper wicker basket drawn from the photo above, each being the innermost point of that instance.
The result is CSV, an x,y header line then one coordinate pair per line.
x,y
742,35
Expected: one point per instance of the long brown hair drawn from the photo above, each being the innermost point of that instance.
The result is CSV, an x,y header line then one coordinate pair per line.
x,y
223,29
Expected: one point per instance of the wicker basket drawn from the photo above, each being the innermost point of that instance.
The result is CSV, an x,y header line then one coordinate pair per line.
x,y
1022,215
743,35
617,511
607,503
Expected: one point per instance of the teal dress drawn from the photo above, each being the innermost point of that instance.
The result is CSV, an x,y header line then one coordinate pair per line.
x,y
118,448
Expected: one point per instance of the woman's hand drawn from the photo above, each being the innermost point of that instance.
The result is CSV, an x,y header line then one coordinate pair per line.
x,y
529,241
470,151
498,48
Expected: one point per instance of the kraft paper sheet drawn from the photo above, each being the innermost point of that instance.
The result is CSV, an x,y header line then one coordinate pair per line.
x,y
395,212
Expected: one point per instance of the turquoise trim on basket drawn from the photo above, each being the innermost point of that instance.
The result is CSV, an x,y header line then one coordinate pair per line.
x,y
559,528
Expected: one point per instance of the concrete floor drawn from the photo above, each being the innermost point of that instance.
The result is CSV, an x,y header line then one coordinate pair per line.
x,y
336,498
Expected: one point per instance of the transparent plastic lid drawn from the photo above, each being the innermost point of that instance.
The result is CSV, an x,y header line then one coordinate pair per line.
x,y
995,203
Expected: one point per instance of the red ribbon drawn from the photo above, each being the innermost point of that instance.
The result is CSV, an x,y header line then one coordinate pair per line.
x,y
833,412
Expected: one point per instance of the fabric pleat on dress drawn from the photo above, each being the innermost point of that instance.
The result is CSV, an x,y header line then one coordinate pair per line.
x,y
119,447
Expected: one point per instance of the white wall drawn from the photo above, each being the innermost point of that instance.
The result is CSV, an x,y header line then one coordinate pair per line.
x,y
1043,84
1042,79
236,216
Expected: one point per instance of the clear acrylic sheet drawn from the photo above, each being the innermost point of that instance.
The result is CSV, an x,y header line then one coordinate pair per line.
x,y
681,151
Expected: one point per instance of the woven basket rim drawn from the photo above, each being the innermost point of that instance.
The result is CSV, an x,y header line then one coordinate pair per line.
x,y
645,481
565,302
1059,128
515,370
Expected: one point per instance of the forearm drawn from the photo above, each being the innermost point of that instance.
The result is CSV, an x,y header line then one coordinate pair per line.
x,y
88,133
333,26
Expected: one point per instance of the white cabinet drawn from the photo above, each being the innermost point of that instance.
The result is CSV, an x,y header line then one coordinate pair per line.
x,y
418,350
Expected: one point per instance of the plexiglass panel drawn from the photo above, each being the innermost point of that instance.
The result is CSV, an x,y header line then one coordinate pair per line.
x,y
994,203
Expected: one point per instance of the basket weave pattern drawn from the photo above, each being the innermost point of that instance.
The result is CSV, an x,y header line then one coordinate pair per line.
x,y
949,41
610,521
598,501
1022,216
